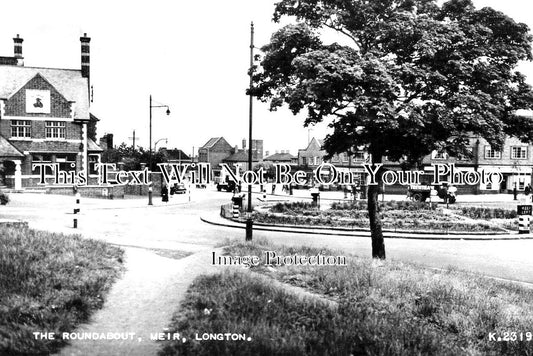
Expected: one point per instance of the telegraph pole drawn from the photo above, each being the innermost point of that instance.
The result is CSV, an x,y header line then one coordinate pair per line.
x,y
133,138
249,222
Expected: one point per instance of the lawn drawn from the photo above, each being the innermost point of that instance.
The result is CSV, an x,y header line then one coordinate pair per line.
x,y
395,215
50,283
366,308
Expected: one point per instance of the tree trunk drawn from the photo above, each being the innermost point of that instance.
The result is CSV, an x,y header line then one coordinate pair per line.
x,y
376,233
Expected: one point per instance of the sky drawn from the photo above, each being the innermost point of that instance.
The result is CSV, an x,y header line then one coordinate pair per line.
x,y
190,55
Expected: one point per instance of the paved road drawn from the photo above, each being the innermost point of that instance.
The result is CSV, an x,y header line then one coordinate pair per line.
x,y
177,226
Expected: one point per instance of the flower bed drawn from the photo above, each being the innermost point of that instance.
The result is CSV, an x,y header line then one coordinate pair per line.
x,y
395,215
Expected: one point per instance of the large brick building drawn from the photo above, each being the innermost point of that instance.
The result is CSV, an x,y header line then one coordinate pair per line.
x,y
44,118
214,152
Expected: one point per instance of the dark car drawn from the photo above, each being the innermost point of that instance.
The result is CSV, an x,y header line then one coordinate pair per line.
x,y
178,188
228,186
421,192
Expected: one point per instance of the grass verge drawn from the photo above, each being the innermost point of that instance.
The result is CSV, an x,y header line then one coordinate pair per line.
x,y
49,283
387,308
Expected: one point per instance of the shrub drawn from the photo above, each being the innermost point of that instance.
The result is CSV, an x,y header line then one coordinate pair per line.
x,y
384,206
488,213
294,207
4,198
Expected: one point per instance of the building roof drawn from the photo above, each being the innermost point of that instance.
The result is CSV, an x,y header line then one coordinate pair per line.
x,y
314,144
240,156
175,154
7,150
92,146
279,157
68,82
212,141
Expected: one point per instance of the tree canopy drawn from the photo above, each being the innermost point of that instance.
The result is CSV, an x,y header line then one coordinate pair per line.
x,y
409,77
412,77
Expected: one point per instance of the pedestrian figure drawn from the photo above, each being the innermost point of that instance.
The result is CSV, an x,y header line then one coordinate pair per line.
x,y
164,193
273,188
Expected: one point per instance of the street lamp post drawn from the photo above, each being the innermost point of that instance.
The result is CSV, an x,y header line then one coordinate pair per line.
x,y
168,113
249,222
156,142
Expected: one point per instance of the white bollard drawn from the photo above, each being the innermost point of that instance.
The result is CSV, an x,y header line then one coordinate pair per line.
x,y
524,223
77,204
76,210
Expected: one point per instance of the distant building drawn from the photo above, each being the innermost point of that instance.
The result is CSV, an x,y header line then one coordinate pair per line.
x,y
106,142
217,150
44,118
514,162
313,155
257,149
214,152
284,157
175,155
240,157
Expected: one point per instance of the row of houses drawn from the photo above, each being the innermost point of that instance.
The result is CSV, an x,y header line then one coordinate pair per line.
x,y
514,161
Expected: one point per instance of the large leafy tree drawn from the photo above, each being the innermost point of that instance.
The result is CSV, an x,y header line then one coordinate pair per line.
x,y
410,77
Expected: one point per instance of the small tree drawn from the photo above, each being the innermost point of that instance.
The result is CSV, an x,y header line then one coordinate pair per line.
x,y
268,168
413,78
132,158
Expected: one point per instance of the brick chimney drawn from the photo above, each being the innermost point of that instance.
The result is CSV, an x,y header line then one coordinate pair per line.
x,y
243,143
18,50
85,58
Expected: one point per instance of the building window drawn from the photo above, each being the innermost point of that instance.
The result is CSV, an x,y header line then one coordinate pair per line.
x,y
359,156
55,129
20,128
519,152
304,161
42,158
66,162
93,161
492,154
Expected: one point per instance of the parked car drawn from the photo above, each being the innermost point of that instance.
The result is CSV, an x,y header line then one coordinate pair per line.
x,y
178,188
